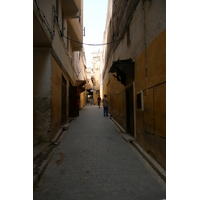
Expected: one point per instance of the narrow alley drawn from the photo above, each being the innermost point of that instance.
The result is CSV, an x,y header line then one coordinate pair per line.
x,y
93,161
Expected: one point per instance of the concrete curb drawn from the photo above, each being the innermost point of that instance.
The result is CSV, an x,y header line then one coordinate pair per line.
x,y
42,168
160,171
38,151
57,135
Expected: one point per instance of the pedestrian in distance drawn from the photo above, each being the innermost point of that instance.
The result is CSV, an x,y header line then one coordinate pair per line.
x,y
91,101
99,100
105,105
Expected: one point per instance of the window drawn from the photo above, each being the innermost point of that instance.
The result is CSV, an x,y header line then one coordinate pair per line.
x,y
117,31
57,8
140,100
67,40
80,18
128,35
63,28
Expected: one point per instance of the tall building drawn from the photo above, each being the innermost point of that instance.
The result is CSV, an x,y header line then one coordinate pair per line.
x,y
81,76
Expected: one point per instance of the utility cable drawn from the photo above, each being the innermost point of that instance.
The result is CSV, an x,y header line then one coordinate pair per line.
x,y
50,31
93,44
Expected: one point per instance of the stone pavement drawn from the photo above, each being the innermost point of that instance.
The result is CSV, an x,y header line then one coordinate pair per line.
x,y
93,161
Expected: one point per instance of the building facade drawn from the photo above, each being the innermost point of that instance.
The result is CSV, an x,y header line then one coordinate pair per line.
x,y
56,25
93,77
134,71
89,85
81,77
96,63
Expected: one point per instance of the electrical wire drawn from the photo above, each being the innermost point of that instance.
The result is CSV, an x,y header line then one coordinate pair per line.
x,y
93,44
52,35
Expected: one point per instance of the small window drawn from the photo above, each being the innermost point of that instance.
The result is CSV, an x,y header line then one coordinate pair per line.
x,y
63,28
67,40
57,8
128,35
80,18
117,28
140,100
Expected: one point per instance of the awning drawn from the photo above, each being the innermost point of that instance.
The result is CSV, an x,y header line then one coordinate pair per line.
x,y
80,84
126,66
123,68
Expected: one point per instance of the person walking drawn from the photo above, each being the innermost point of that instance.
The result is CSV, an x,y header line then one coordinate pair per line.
x,y
91,101
105,105
99,100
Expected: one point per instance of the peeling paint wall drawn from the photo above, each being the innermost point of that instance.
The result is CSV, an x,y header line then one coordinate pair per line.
x,y
41,95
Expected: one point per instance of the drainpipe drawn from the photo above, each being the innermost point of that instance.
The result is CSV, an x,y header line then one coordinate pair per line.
x,y
146,88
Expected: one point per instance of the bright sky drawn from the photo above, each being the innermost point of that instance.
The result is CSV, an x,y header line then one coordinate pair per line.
x,y
94,20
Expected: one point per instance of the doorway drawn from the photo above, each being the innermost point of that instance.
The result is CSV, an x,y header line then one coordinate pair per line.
x,y
73,101
129,111
64,101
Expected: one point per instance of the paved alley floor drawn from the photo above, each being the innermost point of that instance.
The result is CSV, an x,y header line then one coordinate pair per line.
x,y
94,162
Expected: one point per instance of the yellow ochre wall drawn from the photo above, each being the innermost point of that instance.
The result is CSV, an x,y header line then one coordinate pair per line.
x,y
56,90
150,126
116,94
151,122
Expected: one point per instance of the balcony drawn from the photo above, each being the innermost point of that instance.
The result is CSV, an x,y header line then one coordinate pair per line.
x,y
71,8
41,37
76,33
